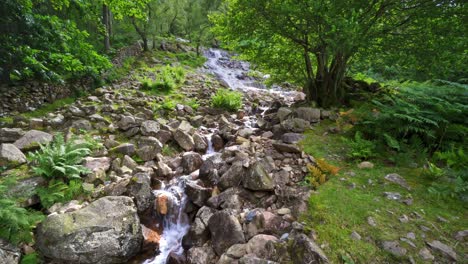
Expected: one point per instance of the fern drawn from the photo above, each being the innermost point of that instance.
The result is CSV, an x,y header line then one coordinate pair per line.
x,y
59,192
360,148
319,173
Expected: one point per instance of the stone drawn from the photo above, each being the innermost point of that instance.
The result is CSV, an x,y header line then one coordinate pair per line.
x,y
127,122
9,135
237,251
295,125
283,113
32,139
443,248
392,195
371,221
200,143
225,231
128,162
191,161
292,138
232,177
308,113
9,254
245,132
258,179
197,194
254,260
149,148
11,156
304,250
185,126
394,248
164,136
287,148
425,254
199,233
355,236
106,231
257,245
125,149
82,125
163,170
140,188
94,164
36,123
150,128
397,179
200,255
184,140
218,142
461,235
75,111
366,165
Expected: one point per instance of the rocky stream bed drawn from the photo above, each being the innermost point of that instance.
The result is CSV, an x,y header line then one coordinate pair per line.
x,y
233,194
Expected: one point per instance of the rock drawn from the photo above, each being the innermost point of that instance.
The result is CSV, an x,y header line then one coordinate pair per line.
x,y
371,221
32,139
284,211
308,113
295,125
185,126
292,138
397,179
254,260
191,161
237,251
163,170
355,236
258,179
11,156
283,113
71,206
36,123
9,254
288,148
197,194
164,136
184,140
366,165
392,195
225,231
199,233
75,111
127,122
218,142
140,188
125,149
94,164
8,135
257,245
150,128
232,177
201,255
425,254
129,163
200,143
245,132
443,248
303,250
161,204
394,248
175,258
82,125
106,231
149,148
461,235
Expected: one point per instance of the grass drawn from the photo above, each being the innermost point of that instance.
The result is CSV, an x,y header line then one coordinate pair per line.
x,y
227,99
48,108
337,209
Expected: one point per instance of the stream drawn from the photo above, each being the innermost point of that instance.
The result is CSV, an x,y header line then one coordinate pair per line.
x,y
235,75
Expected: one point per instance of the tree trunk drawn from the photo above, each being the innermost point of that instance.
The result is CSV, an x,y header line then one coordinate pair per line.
x,y
5,76
106,22
142,34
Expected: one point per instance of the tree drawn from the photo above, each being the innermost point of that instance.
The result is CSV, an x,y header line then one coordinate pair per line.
x,y
318,39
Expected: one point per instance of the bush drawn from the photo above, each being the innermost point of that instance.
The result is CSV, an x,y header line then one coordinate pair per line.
x,y
360,148
16,223
226,99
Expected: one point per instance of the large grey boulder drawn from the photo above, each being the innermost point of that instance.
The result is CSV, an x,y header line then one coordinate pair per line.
x,y
232,177
201,255
106,231
184,140
140,188
308,113
191,161
297,125
149,148
150,128
304,250
8,135
32,139
225,231
127,122
11,156
283,113
199,233
258,179
9,254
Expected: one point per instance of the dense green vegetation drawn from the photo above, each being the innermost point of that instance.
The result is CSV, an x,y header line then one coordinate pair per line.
x,y
226,99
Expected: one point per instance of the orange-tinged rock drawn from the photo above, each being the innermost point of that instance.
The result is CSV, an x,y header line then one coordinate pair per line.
x,y
150,236
161,204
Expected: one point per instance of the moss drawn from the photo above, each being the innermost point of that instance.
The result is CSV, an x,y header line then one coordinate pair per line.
x,y
49,108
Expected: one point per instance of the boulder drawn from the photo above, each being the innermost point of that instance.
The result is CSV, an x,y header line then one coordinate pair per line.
x,y
225,231
295,125
218,142
11,156
150,128
199,233
257,245
245,132
184,140
288,148
309,114
443,249
94,164
106,231
258,179
201,255
292,138
9,254
397,179
200,143
232,177
283,113
163,136
140,188
82,125
9,135
126,122
191,161
197,194
32,139
125,149
149,148
304,250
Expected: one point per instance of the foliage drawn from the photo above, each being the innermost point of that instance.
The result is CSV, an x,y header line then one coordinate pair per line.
x,y
226,99
167,79
58,191
321,38
16,223
31,258
360,148
49,108
60,159
115,73
320,172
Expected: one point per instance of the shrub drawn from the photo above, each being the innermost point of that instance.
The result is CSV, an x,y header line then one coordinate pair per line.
x,y
168,79
226,99
16,223
360,148
59,192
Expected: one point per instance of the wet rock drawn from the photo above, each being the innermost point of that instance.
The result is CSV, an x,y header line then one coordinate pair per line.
x,y
149,128
125,149
288,148
200,143
201,255
443,248
184,140
9,254
394,248
199,233
106,231
175,258
292,138
303,250
232,177
8,135
258,179
82,125
191,161
295,125
225,231
197,194
32,139
218,142
140,188
11,156
308,113
127,122
397,179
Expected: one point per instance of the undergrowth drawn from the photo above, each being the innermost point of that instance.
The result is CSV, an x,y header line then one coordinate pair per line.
x,y
227,99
